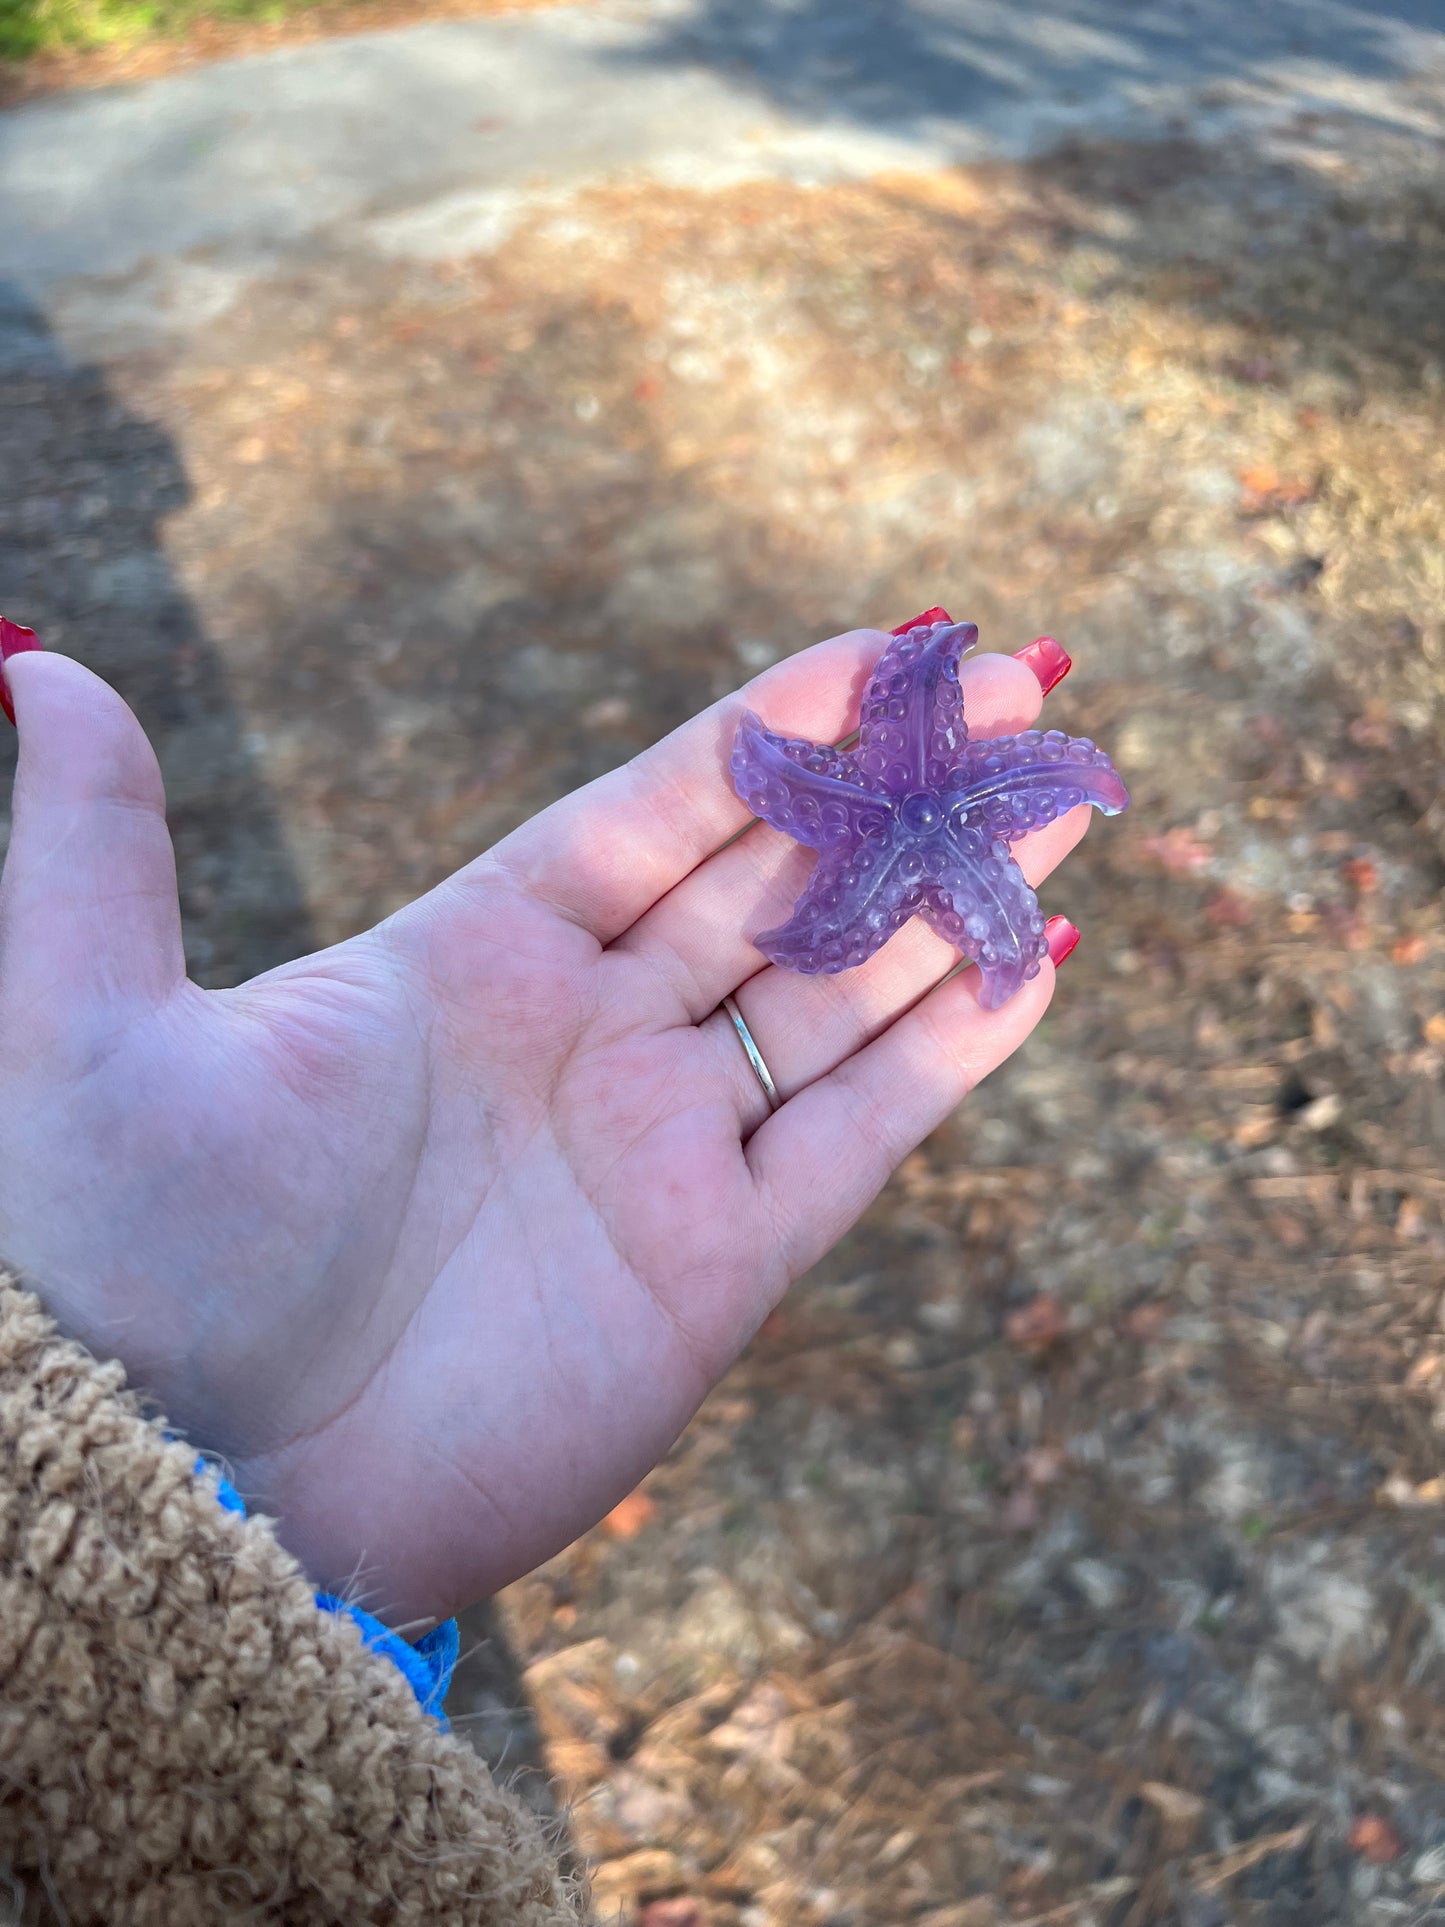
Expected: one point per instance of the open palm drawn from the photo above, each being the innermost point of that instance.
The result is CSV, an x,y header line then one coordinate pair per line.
x,y
440,1236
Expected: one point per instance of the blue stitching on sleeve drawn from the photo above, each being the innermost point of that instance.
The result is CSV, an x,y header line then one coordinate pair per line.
x,y
229,1497
427,1666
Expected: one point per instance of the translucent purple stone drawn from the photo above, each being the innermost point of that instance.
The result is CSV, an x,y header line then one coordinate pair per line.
x,y
916,820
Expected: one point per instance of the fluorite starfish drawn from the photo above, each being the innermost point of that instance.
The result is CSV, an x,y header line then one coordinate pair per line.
x,y
917,820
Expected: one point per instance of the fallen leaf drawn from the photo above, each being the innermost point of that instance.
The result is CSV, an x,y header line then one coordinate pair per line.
x,y
1408,950
914,1172
680,1911
1263,489
1259,480
1179,850
1145,1322
1036,1326
1044,1465
1397,1490
1020,1511
1286,1230
625,1521
1375,1840
1434,1028
1256,370
1229,911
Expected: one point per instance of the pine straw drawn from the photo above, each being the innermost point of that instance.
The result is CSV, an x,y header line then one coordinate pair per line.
x,y
1104,1458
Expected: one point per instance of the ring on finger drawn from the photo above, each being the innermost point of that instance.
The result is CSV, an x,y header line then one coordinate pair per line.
x,y
754,1055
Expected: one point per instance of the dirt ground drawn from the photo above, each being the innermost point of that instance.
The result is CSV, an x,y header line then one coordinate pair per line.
x,y
1068,1548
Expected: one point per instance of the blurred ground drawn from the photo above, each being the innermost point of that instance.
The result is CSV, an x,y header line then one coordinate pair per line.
x,y
1068,1548
50,45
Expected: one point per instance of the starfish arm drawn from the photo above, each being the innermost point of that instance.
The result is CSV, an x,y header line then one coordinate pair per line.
x,y
912,728
854,902
981,903
811,792
1019,783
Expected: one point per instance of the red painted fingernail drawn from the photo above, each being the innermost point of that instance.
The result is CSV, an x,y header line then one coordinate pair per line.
x,y
1062,939
929,615
1048,659
13,640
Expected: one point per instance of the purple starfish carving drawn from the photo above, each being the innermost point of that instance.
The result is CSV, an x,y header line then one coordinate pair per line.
x,y
917,820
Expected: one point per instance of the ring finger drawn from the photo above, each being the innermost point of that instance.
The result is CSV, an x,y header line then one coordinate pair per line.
x,y
805,1027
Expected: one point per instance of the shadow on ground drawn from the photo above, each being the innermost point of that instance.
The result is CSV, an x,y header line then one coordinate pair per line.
x,y
86,489
1067,1546
891,66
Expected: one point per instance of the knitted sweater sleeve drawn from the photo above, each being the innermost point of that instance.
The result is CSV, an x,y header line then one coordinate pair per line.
x,y
184,1737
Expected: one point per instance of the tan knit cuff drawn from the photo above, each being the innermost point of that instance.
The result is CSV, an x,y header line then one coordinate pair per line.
x,y
184,1736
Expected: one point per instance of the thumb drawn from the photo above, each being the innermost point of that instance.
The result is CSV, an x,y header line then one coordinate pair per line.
x,y
88,903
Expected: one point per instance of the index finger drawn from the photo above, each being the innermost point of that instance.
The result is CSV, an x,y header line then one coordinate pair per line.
x,y
605,854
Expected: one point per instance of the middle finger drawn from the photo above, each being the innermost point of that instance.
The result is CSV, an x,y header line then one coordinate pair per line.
x,y
700,934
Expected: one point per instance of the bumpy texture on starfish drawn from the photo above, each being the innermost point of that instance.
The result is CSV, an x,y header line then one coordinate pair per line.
x,y
917,820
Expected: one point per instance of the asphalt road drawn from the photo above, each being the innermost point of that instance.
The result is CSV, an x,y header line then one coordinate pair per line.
x,y
154,204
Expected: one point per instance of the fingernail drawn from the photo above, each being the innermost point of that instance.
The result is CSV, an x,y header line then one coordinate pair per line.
x,y
929,615
13,640
1048,659
1062,938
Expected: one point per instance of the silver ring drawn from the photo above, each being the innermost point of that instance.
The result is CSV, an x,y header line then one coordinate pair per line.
x,y
755,1056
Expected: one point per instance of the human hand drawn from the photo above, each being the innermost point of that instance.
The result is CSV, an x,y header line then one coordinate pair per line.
x,y
440,1236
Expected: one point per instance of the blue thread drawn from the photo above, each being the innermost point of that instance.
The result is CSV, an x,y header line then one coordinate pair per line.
x,y
229,1497
427,1666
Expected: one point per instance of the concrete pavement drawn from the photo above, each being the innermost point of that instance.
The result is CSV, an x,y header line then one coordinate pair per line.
x,y
153,205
